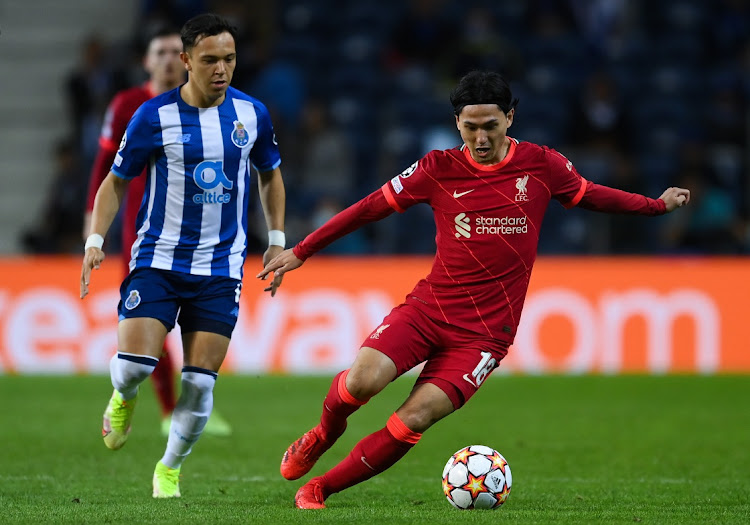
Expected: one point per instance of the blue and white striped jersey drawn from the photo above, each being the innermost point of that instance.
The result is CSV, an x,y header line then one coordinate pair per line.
x,y
193,216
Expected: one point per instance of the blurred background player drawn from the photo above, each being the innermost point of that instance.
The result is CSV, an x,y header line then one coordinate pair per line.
x,y
489,197
165,72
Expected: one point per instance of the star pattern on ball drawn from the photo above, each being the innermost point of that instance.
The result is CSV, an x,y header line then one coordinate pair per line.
x,y
446,486
497,461
475,485
463,455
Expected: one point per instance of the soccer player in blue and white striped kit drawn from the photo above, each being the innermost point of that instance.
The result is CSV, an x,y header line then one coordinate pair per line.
x,y
198,142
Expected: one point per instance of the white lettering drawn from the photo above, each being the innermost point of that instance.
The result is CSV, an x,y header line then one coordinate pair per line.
x,y
43,331
257,337
660,312
330,338
567,303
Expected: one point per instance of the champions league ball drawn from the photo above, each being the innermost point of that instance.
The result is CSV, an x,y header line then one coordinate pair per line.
x,y
477,477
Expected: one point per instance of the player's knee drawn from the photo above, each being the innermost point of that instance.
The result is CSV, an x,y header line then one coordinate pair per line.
x,y
417,419
362,387
370,373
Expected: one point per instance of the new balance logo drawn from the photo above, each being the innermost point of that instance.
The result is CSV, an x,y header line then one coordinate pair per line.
x,y
521,187
463,228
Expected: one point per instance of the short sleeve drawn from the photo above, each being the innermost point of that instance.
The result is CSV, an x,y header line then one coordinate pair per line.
x,y
136,145
265,154
565,183
412,186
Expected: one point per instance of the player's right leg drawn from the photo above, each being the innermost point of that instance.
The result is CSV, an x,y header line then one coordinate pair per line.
x,y
350,389
382,449
147,311
134,362
394,347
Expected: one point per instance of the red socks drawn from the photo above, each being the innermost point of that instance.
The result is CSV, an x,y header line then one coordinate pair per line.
x,y
163,378
371,456
338,405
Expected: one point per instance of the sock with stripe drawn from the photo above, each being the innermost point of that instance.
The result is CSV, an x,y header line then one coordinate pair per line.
x,y
163,380
127,371
338,405
371,456
190,415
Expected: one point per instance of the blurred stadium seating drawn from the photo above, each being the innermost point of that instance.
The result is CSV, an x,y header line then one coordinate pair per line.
x,y
680,68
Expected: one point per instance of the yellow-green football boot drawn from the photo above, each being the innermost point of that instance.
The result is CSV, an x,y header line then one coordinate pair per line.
x,y
166,481
116,422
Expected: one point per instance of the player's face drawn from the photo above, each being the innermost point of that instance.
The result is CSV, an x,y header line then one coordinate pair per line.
x,y
162,61
483,128
210,64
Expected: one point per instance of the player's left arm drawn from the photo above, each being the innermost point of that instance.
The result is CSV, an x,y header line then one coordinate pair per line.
x,y
611,200
273,199
567,186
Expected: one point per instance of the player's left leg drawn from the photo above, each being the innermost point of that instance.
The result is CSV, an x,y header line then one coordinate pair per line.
x,y
207,317
204,354
163,380
426,405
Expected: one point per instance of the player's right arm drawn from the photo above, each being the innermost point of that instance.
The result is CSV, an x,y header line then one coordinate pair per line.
x,y
135,147
411,186
115,122
106,205
370,209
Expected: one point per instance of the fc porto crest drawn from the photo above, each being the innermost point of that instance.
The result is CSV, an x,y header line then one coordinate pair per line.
x,y
239,135
133,300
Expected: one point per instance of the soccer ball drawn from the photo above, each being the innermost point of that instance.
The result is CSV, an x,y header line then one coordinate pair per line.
x,y
477,477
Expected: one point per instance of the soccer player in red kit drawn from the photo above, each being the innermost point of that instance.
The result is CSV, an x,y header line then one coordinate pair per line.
x,y
489,197
166,71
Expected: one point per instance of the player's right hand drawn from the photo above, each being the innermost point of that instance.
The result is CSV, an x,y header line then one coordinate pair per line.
x,y
91,261
282,263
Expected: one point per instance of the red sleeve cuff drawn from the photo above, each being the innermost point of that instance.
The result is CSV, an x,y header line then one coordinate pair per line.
x,y
299,252
575,200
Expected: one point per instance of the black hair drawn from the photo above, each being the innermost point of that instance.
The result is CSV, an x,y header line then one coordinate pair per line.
x,y
160,31
482,87
204,25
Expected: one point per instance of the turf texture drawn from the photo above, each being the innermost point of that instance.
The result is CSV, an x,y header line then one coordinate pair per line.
x,y
582,449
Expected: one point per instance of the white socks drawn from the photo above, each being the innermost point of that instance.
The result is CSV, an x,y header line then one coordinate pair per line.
x,y
128,371
190,415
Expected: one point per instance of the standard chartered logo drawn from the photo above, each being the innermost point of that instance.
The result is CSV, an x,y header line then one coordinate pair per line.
x,y
463,228
490,225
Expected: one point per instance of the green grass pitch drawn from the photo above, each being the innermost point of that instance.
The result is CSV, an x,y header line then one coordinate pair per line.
x,y
591,449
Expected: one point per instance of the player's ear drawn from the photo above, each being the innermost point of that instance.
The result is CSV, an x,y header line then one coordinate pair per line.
x,y
510,116
186,60
458,125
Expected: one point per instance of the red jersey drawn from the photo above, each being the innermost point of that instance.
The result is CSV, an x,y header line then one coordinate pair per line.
x,y
487,221
116,119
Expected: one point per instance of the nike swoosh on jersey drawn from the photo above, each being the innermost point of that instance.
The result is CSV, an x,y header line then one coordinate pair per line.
x,y
466,377
457,195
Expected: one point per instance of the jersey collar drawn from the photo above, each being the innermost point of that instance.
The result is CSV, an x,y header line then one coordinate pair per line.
x,y
492,167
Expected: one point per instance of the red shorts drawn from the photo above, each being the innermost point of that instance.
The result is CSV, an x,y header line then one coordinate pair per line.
x,y
457,360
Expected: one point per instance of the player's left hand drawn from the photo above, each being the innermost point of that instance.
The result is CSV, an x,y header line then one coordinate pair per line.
x,y
271,253
675,198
